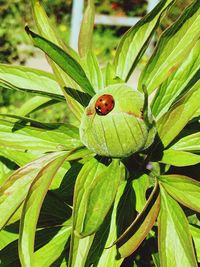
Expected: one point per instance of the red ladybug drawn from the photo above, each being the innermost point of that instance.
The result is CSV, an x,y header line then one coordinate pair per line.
x,y
104,104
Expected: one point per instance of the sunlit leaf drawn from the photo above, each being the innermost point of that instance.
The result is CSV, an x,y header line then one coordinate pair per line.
x,y
47,31
17,185
93,180
29,80
183,189
188,143
179,158
176,118
137,231
79,249
176,83
93,71
54,248
86,31
63,60
34,104
16,135
7,237
135,41
101,254
140,185
31,208
173,47
175,243
195,231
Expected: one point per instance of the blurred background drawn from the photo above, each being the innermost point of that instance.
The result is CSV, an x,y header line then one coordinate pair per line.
x,y
16,47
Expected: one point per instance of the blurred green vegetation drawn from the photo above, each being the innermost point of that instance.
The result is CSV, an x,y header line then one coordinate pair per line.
x,y
16,48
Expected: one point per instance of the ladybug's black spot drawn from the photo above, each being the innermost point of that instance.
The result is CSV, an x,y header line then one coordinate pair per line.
x,y
100,99
106,104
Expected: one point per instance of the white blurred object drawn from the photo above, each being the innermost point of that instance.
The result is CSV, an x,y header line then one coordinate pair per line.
x,y
77,15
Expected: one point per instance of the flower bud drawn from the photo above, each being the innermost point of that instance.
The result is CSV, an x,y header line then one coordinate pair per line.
x,y
113,123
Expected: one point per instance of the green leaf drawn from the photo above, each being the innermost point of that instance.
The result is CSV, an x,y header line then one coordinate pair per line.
x,y
79,249
63,60
54,248
173,47
135,41
34,104
16,135
31,208
179,158
101,254
82,98
7,85
188,143
176,83
91,204
93,71
183,189
86,31
17,185
29,80
140,186
130,240
20,158
176,118
110,76
175,243
47,30
195,231
7,237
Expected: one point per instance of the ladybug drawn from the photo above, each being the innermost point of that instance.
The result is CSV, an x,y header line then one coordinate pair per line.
x,y
104,104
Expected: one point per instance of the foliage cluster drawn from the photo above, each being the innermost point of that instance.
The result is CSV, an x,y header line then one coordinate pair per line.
x,y
62,202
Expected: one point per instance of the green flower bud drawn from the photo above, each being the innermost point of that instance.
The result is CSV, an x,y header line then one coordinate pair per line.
x,y
113,123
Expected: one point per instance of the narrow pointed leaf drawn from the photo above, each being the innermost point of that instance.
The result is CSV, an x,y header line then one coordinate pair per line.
x,y
137,231
134,43
188,143
17,185
140,185
34,104
195,232
101,254
7,237
91,204
109,255
29,79
176,83
16,135
183,189
174,45
82,98
7,85
20,158
93,71
176,118
31,209
79,249
179,158
63,60
86,31
175,243
47,31
54,248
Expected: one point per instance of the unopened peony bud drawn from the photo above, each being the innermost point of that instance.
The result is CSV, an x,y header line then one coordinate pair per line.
x,y
113,123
